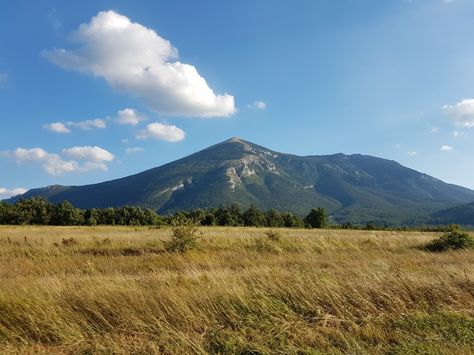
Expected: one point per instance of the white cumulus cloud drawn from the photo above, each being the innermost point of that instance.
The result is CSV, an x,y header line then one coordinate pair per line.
x,y
446,148
54,164
461,113
260,105
136,60
33,154
7,193
92,154
129,116
169,133
89,125
57,127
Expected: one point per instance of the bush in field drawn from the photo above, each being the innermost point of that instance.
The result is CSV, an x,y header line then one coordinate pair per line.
x,y
67,242
273,235
455,240
183,237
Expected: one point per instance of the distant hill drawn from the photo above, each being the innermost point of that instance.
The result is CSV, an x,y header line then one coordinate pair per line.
x,y
463,215
355,188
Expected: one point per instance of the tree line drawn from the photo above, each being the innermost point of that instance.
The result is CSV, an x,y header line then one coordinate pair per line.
x,y
39,211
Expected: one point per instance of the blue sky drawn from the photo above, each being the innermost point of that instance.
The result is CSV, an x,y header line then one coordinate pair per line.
x,y
96,90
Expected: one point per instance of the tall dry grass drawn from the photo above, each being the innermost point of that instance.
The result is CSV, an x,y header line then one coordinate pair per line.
x,y
116,290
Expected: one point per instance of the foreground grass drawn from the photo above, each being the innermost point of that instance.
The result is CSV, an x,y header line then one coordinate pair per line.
x,y
312,292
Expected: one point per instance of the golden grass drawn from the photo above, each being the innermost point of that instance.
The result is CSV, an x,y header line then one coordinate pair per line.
x,y
312,292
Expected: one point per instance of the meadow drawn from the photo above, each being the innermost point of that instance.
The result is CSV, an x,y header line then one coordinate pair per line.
x,y
117,290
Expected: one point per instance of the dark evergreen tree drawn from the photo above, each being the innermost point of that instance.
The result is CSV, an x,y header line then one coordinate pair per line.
x,y
91,217
209,219
317,218
254,217
275,219
292,221
225,217
65,214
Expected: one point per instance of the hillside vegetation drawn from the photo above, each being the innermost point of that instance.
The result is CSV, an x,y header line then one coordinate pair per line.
x,y
463,215
242,290
353,188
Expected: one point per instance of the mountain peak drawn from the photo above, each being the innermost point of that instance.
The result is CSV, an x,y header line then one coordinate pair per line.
x,y
353,188
234,140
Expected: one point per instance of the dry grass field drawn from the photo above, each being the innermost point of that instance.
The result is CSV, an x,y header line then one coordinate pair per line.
x,y
116,290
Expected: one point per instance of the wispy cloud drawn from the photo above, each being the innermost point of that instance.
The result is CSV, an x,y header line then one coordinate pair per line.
x,y
446,148
3,79
257,104
54,20
133,150
460,134
89,125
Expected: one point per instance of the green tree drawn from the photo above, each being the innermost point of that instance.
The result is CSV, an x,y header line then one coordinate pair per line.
x,y
209,219
292,221
6,213
106,216
236,213
91,217
317,218
65,214
275,219
254,217
151,218
225,217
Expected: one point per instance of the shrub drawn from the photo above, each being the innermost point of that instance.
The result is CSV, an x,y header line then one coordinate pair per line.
x,y
183,238
454,240
273,235
67,242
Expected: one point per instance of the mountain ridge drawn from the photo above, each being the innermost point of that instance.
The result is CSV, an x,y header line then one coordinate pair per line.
x,y
354,188
463,215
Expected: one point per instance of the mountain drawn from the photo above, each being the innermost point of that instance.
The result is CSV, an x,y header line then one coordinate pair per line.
x,y
354,188
463,215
